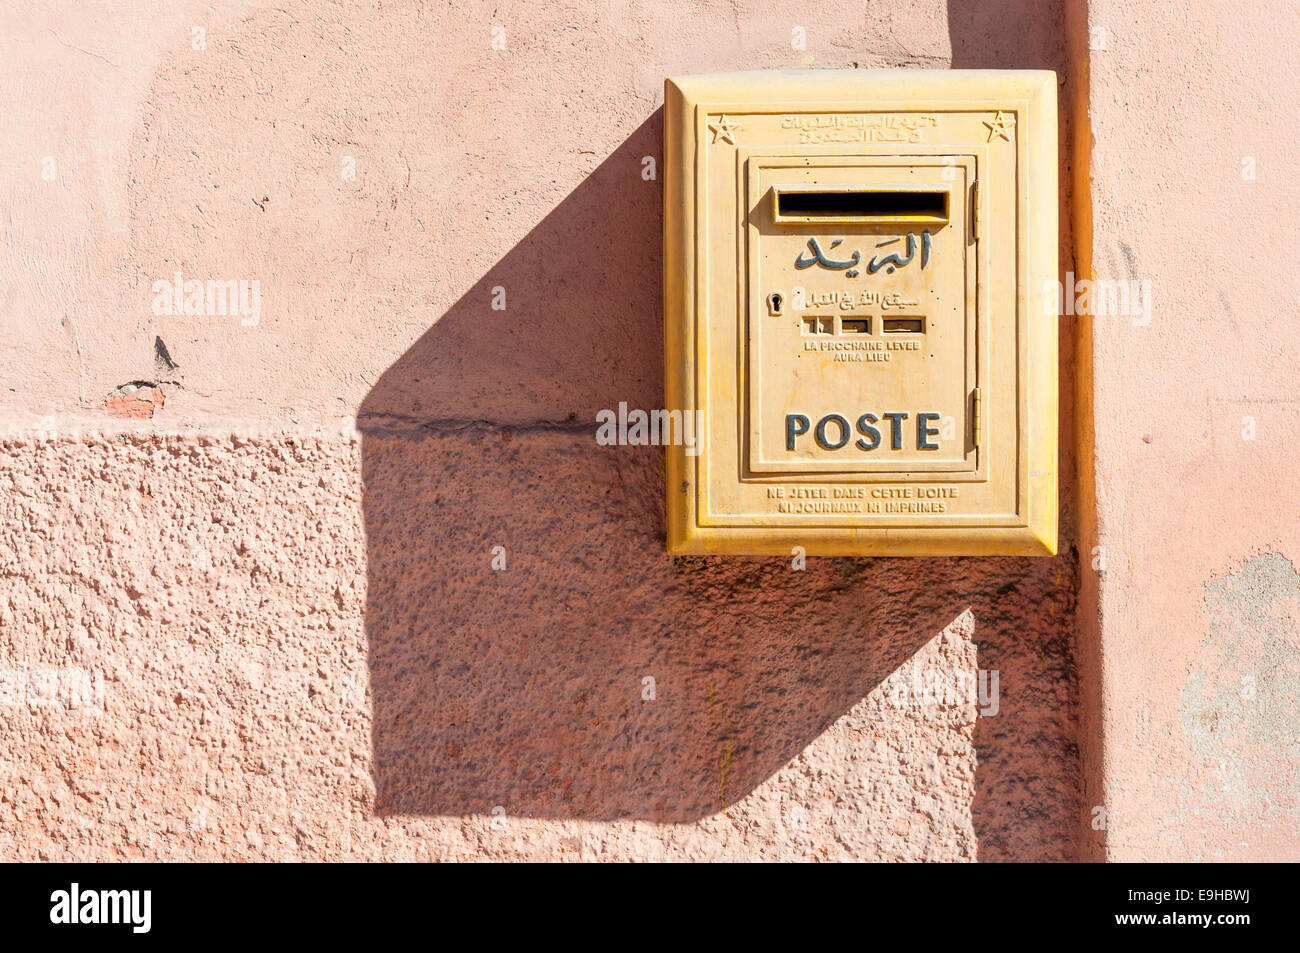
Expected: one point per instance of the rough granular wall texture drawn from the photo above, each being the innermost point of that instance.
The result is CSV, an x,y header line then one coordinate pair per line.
x,y
299,648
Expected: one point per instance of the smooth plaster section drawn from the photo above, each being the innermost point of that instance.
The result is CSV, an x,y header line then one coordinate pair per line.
x,y
1195,455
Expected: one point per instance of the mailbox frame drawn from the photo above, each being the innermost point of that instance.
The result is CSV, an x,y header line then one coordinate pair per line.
x,y
701,109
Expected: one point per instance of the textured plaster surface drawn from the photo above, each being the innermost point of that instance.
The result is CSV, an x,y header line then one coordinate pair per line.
x,y
275,670
247,597
1197,419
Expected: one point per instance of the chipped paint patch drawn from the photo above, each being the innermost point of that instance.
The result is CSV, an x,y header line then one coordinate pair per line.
x,y
1239,707
137,400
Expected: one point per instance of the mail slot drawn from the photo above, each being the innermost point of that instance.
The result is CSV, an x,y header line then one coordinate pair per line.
x,y
854,275
809,204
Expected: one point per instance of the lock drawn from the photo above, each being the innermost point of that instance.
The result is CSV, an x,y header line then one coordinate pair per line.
x,y
853,271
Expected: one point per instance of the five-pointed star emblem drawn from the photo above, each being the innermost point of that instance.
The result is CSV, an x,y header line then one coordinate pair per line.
x,y
722,129
1001,126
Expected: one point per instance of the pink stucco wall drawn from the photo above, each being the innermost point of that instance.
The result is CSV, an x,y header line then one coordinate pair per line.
x,y
1194,623
248,603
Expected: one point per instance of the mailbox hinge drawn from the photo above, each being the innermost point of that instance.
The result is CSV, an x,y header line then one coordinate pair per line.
x,y
975,417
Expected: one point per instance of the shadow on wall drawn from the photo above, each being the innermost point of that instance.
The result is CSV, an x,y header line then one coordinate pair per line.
x,y
1007,34
525,688
1030,34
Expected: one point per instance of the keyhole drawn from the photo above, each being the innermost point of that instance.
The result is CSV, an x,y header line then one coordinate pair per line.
x,y
774,304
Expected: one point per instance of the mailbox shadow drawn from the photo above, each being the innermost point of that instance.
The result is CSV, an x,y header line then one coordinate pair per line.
x,y
1031,34
594,676
1007,34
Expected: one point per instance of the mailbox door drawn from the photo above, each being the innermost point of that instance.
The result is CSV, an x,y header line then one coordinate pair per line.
x,y
862,314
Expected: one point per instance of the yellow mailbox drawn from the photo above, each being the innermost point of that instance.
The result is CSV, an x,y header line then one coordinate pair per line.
x,y
858,275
